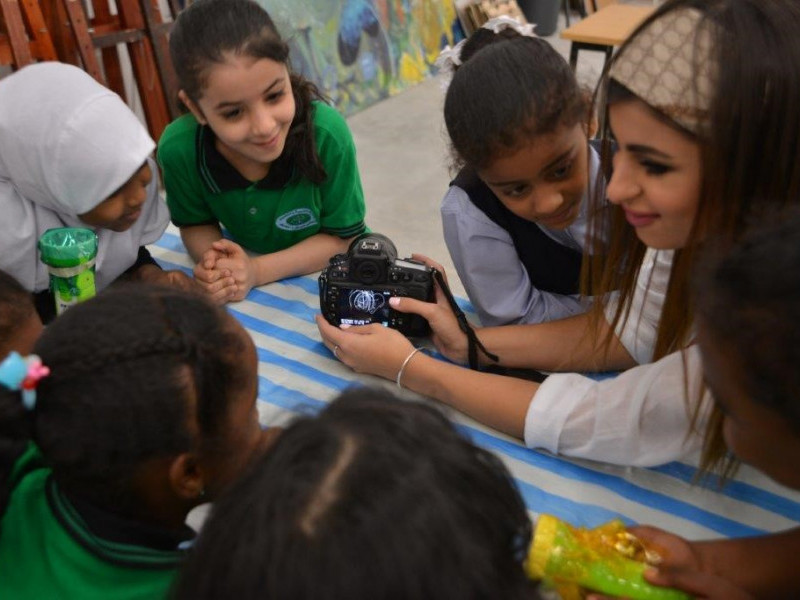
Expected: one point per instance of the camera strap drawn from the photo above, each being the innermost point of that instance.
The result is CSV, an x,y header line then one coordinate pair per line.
x,y
473,343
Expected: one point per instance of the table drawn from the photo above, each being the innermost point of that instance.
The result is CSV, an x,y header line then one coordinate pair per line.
x,y
297,374
604,29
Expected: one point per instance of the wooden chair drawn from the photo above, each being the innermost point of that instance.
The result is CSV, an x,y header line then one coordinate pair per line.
x,y
24,38
139,25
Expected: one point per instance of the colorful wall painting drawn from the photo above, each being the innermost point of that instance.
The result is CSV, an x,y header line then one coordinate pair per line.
x,y
361,51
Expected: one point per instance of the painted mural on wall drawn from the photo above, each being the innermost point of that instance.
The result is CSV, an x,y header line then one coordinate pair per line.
x,y
360,51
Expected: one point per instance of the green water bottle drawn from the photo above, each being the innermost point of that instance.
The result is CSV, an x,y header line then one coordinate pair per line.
x,y
69,253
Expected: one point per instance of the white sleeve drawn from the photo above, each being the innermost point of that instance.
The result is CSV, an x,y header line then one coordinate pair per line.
x,y
642,417
638,332
489,267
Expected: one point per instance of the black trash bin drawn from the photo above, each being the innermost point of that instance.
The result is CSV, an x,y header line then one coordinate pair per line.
x,y
542,13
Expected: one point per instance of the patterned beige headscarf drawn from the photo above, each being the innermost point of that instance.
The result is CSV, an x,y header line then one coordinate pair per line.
x,y
669,66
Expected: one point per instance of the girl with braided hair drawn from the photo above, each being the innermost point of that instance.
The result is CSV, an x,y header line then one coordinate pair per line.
x,y
148,410
370,499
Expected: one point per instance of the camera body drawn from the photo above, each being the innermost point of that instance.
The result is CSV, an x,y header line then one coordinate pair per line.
x,y
355,287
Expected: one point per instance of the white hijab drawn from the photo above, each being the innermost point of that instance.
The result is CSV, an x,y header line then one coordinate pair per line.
x,y
66,144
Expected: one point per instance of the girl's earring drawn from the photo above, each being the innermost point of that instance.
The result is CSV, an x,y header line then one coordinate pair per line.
x,y
202,493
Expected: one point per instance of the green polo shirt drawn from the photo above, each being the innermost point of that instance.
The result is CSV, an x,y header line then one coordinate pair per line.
x,y
48,551
271,214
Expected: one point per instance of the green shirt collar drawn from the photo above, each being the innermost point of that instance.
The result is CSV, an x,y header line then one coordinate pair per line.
x,y
116,539
218,175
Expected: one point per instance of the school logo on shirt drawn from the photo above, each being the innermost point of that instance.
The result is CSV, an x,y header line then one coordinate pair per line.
x,y
297,219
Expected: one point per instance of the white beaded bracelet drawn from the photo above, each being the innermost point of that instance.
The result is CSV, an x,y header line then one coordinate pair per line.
x,y
403,366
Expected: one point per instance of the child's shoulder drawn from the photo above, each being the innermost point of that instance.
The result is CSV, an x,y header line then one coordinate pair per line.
x,y
181,131
29,461
329,121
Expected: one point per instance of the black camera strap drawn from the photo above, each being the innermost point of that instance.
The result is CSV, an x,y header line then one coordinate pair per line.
x,y
474,344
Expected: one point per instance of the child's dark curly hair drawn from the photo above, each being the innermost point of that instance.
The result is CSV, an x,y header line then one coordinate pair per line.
x,y
374,498
748,300
136,373
509,89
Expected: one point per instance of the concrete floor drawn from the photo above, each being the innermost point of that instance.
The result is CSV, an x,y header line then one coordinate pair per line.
x,y
403,155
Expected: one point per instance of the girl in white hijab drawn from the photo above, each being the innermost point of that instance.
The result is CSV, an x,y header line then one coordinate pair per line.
x,y
72,154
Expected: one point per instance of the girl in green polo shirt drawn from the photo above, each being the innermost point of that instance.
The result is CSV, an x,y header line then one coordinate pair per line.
x,y
148,409
259,155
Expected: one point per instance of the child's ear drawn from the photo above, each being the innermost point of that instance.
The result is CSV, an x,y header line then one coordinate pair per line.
x,y
192,106
186,477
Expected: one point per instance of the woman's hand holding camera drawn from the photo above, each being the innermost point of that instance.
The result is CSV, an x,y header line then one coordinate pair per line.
x,y
380,350
372,349
447,335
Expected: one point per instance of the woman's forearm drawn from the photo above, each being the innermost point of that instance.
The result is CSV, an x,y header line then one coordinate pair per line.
x,y
564,345
497,401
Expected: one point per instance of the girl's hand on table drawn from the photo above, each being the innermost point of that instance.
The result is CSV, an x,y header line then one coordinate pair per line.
x,y
209,259
218,284
372,349
238,263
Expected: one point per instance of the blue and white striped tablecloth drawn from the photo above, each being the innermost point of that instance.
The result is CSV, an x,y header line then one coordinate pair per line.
x,y
298,374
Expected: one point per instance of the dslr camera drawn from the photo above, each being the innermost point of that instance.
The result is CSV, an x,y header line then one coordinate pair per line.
x,y
356,286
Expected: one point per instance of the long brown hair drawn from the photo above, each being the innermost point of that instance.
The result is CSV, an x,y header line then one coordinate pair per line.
x,y
749,153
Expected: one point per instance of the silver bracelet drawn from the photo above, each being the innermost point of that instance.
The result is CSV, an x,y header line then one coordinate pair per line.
x,y
403,366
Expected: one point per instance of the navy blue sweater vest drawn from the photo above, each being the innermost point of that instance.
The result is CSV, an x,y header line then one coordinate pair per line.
x,y
551,266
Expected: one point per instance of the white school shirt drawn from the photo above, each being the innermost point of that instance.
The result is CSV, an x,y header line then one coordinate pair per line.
x,y
641,417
